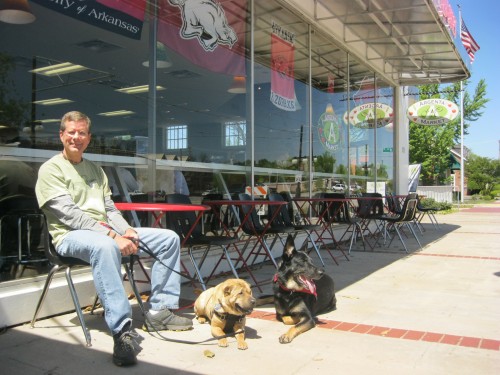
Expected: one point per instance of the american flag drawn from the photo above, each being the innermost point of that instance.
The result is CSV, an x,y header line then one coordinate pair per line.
x,y
468,41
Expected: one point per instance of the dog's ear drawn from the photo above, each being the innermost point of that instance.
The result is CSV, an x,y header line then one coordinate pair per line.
x,y
228,289
289,248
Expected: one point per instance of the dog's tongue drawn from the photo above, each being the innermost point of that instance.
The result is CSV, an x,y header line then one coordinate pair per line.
x,y
308,284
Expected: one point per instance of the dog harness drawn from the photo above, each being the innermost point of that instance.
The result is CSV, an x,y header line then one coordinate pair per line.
x,y
231,319
310,289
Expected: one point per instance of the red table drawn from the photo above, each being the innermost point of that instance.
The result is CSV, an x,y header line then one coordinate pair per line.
x,y
159,209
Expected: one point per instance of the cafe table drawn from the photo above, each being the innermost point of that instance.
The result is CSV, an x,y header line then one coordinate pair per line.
x,y
322,210
247,213
158,210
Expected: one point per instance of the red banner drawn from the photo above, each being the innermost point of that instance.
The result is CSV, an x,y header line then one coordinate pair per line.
x,y
282,73
134,8
210,34
331,83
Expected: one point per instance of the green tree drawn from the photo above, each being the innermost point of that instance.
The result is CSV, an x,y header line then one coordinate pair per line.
x,y
324,163
482,173
430,145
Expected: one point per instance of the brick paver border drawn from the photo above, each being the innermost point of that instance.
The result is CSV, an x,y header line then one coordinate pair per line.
x,y
396,333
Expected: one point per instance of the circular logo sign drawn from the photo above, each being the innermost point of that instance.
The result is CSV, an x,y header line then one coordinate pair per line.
x,y
364,115
329,131
432,112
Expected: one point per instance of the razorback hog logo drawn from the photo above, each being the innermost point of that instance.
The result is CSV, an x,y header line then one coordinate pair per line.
x,y
205,20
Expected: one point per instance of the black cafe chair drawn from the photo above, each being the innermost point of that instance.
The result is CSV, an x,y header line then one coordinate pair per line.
x,y
341,212
255,229
370,210
284,217
422,211
405,218
21,230
60,262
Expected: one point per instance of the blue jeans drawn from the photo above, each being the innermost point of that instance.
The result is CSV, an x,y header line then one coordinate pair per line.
x,y
104,256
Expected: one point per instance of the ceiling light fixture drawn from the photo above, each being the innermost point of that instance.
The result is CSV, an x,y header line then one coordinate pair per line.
x,y
138,89
16,12
238,86
122,112
162,60
62,68
53,101
48,120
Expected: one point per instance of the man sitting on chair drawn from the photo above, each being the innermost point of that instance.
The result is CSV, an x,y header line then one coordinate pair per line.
x,y
84,223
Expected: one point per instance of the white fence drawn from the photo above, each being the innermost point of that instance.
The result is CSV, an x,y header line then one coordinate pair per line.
x,y
438,193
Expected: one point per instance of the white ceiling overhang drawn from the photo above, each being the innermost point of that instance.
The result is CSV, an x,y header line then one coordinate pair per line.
x,y
404,41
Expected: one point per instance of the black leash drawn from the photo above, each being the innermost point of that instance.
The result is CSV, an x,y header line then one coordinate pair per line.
x,y
145,248
141,245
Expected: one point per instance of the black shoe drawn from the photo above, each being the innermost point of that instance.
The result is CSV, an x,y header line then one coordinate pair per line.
x,y
124,348
166,320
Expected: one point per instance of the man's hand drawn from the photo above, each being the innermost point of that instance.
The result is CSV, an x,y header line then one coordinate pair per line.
x,y
131,235
128,245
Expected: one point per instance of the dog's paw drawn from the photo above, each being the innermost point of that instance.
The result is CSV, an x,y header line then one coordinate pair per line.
x,y
288,320
285,339
242,345
223,343
202,320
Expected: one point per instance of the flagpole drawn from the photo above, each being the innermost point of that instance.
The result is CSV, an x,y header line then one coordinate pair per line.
x,y
462,162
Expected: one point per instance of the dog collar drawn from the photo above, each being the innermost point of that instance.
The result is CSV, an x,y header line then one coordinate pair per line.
x,y
311,290
225,316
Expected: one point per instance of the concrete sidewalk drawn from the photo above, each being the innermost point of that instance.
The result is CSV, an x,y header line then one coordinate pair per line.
x,y
434,311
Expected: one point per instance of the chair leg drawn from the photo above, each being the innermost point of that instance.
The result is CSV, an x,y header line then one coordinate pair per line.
x,y
415,235
78,309
94,305
433,219
50,276
228,258
356,228
353,236
315,247
196,269
131,278
225,254
400,238
74,296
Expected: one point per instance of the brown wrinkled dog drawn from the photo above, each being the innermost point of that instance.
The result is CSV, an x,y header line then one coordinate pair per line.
x,y
301,291
226,306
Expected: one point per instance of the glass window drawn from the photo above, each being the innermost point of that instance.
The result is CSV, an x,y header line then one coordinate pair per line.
x,y
329,105
177,137
235,133
199,118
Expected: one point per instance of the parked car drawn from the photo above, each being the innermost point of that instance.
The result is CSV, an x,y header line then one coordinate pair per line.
x,y
339,187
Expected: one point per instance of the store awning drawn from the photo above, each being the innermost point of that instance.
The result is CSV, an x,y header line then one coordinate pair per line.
x,y
404,41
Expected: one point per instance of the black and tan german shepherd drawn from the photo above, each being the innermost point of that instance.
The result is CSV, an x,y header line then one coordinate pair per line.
x,y
301,291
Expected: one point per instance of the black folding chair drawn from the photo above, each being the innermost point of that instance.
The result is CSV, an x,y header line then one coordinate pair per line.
x,y
422,211
284,217
341,212
404,219
22,226
60,262
370,210
253,228
192,236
